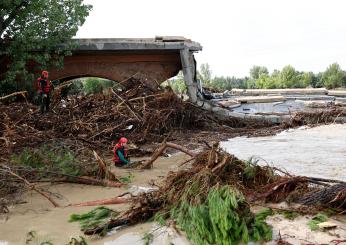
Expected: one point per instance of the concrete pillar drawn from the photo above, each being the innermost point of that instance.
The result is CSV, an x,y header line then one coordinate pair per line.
x,y
189,71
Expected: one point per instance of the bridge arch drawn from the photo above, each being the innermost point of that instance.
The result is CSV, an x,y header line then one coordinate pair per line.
x,y
153,69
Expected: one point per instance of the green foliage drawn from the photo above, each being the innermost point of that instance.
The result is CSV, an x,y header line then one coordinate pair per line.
x,y
227,83
28,26
204,74
261,230
264,213
334,77
128,179
258,71
93,218
177,84
318,218
250,168
76,87
224,218
291,215
159,218
148,238
288,77
93,85
62,161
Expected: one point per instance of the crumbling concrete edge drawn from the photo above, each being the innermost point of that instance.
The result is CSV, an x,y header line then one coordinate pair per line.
x,y
196,97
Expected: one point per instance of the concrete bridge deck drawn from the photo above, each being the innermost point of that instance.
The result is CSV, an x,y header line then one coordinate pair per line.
x,y
151,60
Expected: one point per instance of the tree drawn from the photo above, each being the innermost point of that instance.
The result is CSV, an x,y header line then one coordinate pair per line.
x,y
289,77
205,75
333,77
226,83
257,71
178,84
307,79
38,31
94,85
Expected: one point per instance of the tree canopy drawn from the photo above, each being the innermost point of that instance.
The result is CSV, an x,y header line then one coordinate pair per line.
x,y
37,30
288,77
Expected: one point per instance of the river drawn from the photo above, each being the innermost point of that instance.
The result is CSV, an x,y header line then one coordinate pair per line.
x,y
316,152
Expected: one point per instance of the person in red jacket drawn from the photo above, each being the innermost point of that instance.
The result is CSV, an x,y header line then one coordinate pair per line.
x,y
120,154
44,88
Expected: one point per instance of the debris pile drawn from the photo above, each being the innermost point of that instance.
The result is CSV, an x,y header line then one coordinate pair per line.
x,y
97,120
210,200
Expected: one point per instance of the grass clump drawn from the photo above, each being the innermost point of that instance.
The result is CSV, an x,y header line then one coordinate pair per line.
x,y
148,238
317,219
127,179
291,215
93,218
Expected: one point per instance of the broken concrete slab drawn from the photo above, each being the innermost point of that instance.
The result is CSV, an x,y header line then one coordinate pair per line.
x,y
315,91
337,92
260,99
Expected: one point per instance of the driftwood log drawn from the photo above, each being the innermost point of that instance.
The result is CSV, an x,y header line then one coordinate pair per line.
x,y
22,93
148,164
335,195
109,201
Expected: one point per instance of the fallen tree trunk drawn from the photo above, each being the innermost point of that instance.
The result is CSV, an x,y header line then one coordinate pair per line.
x,y
33,187
110,225
334,195
22,93
91,181
109,201
104,171
160,150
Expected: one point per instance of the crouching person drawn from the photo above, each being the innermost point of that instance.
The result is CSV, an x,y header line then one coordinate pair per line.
x,y
120,155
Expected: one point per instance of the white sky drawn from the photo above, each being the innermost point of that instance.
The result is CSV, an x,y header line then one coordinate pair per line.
x,y
235,35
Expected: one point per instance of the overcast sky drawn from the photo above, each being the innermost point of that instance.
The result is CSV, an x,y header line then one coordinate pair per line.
x,y
235,35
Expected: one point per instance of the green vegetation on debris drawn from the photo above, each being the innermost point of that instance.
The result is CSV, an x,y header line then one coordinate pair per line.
x,y
60,161
94,217
317,219
291,215
148,238
127,179
224,218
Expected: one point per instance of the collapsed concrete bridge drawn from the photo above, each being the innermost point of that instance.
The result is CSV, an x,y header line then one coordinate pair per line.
x,y
151,60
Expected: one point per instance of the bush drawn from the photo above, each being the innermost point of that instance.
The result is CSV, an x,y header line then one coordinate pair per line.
x,y
93,85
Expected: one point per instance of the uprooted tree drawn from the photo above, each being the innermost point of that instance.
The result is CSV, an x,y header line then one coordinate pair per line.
x,y
28,26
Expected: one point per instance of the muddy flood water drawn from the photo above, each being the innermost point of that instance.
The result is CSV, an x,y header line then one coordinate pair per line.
x,y
319,151
316,152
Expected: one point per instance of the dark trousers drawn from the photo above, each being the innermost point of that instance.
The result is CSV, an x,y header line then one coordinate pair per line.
x,y
45,100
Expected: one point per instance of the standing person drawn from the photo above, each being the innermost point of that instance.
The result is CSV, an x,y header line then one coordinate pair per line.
x,y
44,87
120,154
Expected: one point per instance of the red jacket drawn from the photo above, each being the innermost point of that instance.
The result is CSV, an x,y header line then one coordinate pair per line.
x,y
116,158
43,85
